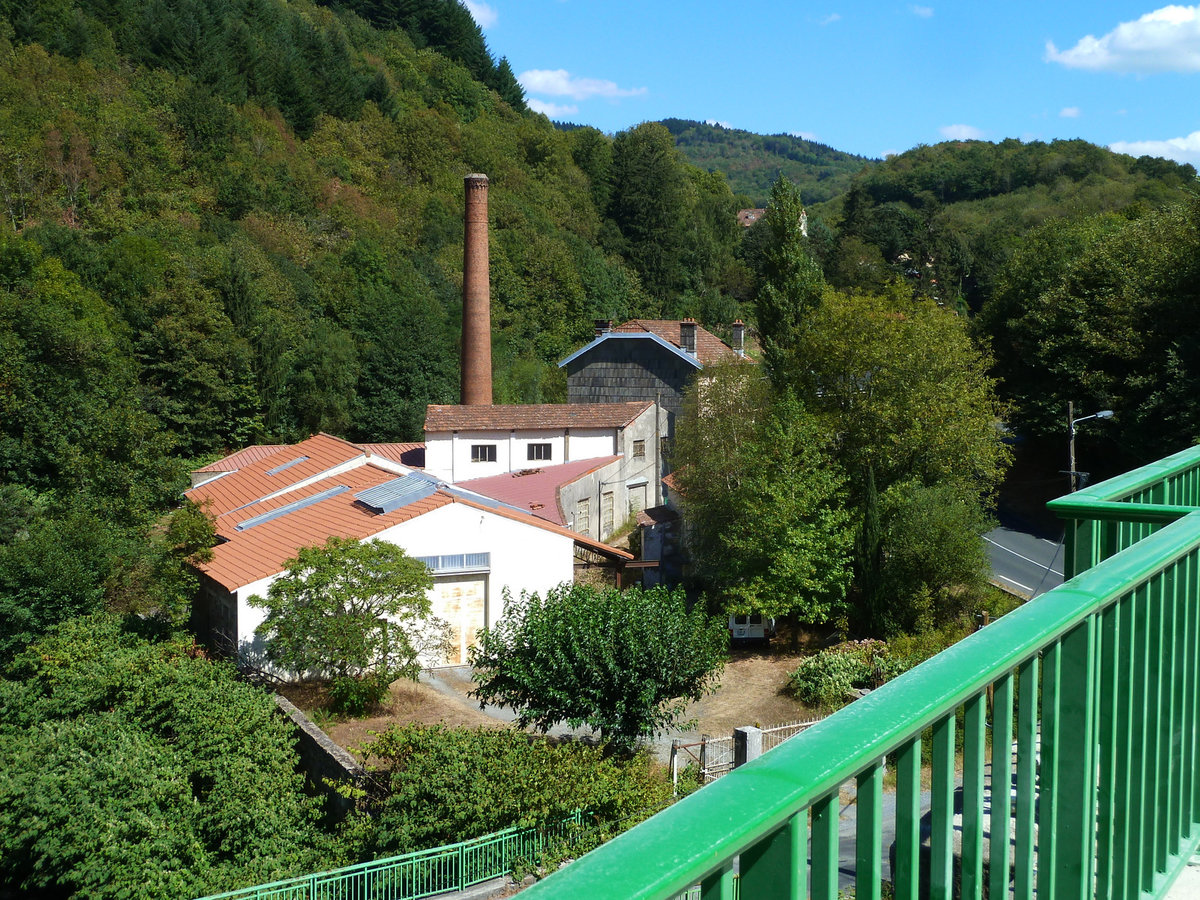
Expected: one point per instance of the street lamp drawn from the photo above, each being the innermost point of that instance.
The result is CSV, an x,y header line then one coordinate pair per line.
x,y
1071,423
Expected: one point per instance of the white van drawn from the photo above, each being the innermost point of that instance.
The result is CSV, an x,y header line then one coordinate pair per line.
x,y
753,627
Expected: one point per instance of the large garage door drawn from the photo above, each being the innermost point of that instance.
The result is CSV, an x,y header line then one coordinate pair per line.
x,y
461,600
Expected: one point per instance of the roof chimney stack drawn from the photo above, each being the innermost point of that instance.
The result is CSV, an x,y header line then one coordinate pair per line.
x,y
739,337
603,326
687,336
477,317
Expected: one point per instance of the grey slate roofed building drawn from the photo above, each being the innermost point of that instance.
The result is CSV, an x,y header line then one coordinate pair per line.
x,y
644,359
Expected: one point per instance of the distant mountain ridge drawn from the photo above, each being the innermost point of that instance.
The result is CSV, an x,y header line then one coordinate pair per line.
x,y
752,162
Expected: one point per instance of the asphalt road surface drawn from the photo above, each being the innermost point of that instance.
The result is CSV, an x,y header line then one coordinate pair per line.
x,y
1023,562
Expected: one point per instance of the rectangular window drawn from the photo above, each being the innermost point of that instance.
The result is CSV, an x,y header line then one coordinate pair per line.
x,y
606,515
583,516
539,451
639,449
483,453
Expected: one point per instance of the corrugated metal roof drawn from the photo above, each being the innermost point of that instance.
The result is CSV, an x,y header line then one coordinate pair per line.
x,y
243,457
396,493
290,507
287,465
536,490
315,509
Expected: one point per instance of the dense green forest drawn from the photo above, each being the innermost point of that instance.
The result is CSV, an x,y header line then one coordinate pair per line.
x,y
754,162
946,218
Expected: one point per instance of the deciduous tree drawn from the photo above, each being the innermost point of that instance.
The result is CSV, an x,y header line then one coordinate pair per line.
x,y
768,531
350,610
626,663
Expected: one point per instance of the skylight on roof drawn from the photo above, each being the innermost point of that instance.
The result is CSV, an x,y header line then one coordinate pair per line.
x,y
392,495
292,507
287,465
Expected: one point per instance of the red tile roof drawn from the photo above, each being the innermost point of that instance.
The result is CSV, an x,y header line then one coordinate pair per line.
x,y
261,550
245,456
246,556
709,348
411,455
252,482
536,490
656,515
533,416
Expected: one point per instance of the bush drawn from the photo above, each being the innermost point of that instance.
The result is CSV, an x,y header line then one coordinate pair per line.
x,y
453,784
827,678
354,696
151,770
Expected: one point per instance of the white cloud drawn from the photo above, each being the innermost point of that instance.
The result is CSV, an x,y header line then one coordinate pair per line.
x,y
1069,112
925,12
830,19
1180,149
484,15
803,135
961,133
1166,40
716,124
553,110
561,83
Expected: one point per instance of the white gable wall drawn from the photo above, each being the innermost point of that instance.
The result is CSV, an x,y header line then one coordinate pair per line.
x,y
448,455
523,558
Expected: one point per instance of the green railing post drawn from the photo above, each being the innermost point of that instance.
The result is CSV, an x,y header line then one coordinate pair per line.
x,y
773,868
869,834
906,875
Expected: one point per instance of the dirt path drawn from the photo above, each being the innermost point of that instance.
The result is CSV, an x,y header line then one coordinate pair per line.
x,y
750,693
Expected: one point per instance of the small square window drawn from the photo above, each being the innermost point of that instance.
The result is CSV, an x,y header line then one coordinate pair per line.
x,y
539,451
483,453
639,449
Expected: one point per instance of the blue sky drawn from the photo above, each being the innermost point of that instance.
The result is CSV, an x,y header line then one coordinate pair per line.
x,y
870,77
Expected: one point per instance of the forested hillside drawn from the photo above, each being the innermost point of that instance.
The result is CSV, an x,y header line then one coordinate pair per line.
x,y
242,221
947,217
753,162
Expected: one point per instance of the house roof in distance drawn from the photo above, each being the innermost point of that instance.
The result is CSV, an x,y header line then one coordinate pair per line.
x,y
536,490
533,417
665,332
709,348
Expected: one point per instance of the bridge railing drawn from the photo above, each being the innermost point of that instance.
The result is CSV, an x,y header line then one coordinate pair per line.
x,y
1081,707
424,873
1108,517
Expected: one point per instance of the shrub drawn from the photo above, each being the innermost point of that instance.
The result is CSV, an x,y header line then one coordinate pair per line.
x,y
827,678
354,696
453,784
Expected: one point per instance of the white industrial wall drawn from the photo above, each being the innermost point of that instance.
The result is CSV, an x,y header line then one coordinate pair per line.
x,y
523,558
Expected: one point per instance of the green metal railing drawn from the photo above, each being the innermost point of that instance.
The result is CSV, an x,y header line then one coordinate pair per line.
x,y
424,873
1089,695
1114,515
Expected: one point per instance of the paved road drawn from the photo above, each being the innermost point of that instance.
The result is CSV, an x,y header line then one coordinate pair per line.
x,y
1023,562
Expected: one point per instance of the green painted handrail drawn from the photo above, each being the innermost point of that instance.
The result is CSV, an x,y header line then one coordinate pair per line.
x,y
1093,690
422,873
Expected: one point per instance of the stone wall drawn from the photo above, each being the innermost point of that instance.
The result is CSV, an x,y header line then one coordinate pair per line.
x,y
323,760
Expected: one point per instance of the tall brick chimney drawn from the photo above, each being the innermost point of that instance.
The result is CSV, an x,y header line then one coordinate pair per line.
x,y
477,317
